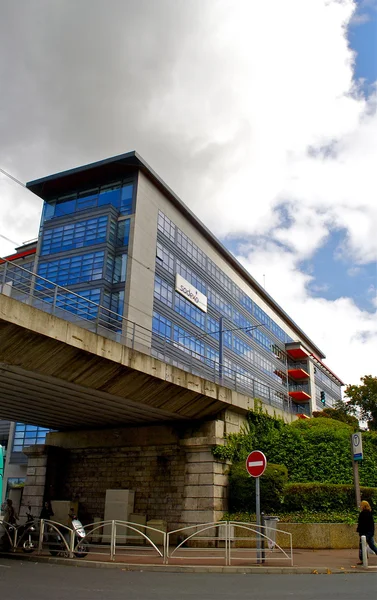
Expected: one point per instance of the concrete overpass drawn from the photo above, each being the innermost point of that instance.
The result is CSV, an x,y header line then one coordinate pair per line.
x,y
126,420
59,375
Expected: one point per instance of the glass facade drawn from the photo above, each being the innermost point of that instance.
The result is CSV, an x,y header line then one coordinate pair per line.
x,y
117,194
254,348
74,269
28,435
90,249
74,235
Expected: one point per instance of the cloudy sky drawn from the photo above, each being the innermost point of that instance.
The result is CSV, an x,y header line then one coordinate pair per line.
x,y
260,115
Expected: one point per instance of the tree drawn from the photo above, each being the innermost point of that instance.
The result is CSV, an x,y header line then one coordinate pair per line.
x,y
339,413
363,399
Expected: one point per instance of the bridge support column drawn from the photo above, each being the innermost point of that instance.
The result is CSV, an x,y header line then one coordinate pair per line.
x,y
35,483
206,479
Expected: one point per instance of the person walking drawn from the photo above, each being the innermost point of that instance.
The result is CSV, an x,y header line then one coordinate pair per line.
x,y
365,526
10,516
46,512
9,522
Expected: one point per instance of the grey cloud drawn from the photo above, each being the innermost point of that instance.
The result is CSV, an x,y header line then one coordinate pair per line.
x,y
79,79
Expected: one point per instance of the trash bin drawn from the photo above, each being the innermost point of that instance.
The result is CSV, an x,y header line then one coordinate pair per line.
x,y
270,524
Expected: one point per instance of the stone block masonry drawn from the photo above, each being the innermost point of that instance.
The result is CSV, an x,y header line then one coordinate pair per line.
x,y
171,469
156,474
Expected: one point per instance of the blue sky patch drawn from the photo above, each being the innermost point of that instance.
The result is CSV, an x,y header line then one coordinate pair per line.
x,y
335,277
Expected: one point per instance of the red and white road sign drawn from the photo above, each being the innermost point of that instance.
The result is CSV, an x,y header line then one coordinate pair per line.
x,y
256,463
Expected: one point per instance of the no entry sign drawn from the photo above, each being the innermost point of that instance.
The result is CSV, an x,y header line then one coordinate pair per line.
x,y
256,463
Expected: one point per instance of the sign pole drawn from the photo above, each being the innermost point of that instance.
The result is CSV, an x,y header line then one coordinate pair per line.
x,y
256,464
357,455
257,510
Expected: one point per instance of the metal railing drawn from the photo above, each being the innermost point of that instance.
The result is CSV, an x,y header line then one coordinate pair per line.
x,y
300,364
227,542
299,387
32,289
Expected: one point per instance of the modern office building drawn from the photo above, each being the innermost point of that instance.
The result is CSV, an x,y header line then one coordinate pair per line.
x,y
114,233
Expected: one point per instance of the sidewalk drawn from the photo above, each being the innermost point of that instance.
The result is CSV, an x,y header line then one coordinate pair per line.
x,y
304,561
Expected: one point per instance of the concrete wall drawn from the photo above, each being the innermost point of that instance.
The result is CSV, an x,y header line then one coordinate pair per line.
x,y
313,536
142,254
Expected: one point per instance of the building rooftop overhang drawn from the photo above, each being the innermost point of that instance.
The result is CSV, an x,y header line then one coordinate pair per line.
x,y
121,166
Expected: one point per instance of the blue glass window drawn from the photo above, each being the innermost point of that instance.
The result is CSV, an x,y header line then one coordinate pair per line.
x,y
164,258
65,207
74,235
261,316
115,194
213,327
262,339
123,233
83,303
212,357
73,269
28,435
190,249
241,321
126,200
218,302
117,268
163,291
189,311
188,343
242,349
246,302
190,276
220,276
161,325
227,337
166,226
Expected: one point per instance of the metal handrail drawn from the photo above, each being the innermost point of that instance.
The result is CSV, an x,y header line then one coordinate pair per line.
x,y
67,304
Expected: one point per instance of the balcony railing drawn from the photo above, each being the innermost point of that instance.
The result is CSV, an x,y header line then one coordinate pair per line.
x,y
299,387
299,364
32,289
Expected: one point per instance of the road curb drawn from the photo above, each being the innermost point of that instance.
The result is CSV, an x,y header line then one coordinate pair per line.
x,y
71,562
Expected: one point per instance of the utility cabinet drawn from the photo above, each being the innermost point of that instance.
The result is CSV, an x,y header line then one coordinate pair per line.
x,y
119,505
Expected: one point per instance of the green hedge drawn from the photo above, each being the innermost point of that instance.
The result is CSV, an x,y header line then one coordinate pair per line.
x,y
324,497
311,449
242,488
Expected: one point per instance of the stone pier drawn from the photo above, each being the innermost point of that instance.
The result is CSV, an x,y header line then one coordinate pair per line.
x,y
171,468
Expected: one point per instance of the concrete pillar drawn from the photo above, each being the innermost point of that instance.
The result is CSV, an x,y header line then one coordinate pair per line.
x,y
34,489
205,490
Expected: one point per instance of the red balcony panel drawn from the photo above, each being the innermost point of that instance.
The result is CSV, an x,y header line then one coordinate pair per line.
x,y
299,396
297,353
298,373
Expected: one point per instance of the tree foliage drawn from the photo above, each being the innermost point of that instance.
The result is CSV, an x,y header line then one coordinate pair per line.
x,y
313,450
363,398
338,414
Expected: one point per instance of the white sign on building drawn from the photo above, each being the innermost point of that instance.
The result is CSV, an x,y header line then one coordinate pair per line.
x,y
187,290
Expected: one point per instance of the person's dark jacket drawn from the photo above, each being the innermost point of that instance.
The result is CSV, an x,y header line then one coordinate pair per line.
x,y
365,524
46,513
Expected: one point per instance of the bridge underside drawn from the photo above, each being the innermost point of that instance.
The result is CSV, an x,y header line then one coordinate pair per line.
x,y
58,375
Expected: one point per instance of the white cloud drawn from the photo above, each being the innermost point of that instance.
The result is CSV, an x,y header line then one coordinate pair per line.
x,y
347,334
248,110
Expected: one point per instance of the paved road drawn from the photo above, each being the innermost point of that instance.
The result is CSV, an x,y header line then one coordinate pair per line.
x,y
39,581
